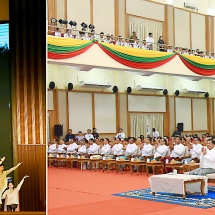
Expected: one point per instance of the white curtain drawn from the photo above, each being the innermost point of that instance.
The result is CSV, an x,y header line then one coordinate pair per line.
x,y
144,26
143,123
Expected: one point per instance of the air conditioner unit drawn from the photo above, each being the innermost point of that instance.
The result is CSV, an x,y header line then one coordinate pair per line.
x,y
93,84
192,91
154,89
190,5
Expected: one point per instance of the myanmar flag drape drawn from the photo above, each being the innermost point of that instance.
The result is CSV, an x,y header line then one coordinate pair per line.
x,y
136,58
61,48
199,65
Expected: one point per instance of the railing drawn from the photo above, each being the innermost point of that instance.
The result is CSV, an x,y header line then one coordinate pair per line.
x,y
129,42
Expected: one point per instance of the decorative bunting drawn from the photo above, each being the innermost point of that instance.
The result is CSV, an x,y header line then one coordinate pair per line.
x,y
136,58
61,48
199,65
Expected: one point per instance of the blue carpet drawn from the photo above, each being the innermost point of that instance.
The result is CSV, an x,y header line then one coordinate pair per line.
x,y
197,200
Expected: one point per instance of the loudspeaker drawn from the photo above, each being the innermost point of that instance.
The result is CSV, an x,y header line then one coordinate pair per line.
x,y
58,130
70,86
129,90
52,85
206,95
165,92
177,92
115,89
180,126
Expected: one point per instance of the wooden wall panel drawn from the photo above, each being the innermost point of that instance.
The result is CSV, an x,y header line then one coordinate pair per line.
x,y
4,14
28,69
30,72
34,188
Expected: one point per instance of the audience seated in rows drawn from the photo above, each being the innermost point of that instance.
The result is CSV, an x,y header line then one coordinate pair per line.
x,y
192,147
147,44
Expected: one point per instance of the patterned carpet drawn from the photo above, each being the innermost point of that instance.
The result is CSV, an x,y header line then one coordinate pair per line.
x,y
192,200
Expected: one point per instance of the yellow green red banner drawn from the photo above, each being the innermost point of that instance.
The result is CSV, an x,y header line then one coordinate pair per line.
x,y
62,48
199,65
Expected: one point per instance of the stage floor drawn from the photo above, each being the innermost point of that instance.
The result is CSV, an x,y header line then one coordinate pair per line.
x,y
89,192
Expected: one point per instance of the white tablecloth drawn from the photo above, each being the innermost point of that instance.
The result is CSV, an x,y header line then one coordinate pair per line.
x,y
175,183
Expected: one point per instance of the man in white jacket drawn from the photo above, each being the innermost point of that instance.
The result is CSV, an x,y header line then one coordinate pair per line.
x,y
118,147
121,134
83,149
105,150
161,150
147,149
94,148
52,149
195,148
207,160
178,149
62,147
131,148
73,147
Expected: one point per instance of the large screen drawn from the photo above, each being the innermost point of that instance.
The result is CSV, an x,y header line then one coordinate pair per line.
x,y
5,96
4,38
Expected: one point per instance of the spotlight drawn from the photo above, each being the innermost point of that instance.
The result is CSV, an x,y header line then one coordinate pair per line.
x,y
62,22
129,90
53,20
83,25
177,93
206,95
52,85
115,89
70,86
165,91
91,26
73,23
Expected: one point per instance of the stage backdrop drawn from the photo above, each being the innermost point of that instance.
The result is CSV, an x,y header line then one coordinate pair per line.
x,y
28,67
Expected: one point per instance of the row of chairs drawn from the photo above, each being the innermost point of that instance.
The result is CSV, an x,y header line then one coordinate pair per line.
x,y
119,163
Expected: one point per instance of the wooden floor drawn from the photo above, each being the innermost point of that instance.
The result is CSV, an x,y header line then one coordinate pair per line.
x,y
89,192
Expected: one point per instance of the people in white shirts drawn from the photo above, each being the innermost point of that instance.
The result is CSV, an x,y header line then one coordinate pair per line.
x,y
101,37
195,149
89,36
207,159
61,147
147,147
68,34
93,34
131,148
136,44
118,147
108,39
121,134
106,149
169,49
83,149
150,41
81,35
57,33
178,149
120,42
155,133
144,46
73,147
127,43
89,134
93,148
161,149
52,149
